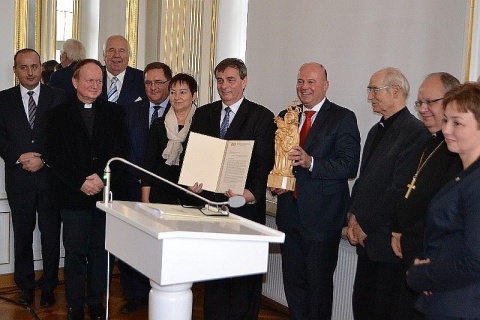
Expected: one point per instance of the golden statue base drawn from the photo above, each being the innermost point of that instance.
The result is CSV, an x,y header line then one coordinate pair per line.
x,y
277,181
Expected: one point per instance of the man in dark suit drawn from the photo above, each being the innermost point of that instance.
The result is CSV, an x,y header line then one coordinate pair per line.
x,y
236,118
83,134
72,51
121,84
390,156
28,181
312,217
140,115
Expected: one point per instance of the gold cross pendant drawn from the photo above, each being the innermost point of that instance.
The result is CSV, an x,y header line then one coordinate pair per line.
x,y
411,186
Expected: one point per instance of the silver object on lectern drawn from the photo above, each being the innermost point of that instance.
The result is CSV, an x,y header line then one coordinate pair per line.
x,y
220,207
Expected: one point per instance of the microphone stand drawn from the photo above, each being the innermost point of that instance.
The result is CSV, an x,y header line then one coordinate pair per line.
x,y
219,207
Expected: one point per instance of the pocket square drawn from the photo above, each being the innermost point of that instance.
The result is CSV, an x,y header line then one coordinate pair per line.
x,y
138,99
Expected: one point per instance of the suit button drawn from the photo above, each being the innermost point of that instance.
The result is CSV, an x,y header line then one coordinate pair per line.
x,y
33,141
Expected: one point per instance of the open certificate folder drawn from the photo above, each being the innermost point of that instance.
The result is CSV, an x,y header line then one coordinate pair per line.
x,y
218,164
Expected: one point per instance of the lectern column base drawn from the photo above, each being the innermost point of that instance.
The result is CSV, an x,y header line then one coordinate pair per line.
x,y
172,302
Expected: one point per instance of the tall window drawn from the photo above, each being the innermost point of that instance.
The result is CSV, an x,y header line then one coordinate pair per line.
x,y
64,24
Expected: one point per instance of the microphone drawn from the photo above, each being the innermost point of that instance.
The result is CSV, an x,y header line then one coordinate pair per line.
x,y
219,207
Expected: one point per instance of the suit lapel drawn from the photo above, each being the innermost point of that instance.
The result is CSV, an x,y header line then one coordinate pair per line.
x,y
238,120
317,124
144,116
44,100
18,109
127,86
214,120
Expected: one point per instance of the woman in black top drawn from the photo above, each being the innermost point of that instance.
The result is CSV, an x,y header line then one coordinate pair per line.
x,y
166,143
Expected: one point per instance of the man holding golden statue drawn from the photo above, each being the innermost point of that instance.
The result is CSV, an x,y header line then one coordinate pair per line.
x,y
312,211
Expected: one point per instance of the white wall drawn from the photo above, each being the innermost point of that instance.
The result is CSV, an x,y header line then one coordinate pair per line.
x,y
112,21
7,16
353,39
89,30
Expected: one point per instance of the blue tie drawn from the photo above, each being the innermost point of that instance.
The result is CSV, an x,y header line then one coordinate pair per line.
x,y
225,122
155,113
113,92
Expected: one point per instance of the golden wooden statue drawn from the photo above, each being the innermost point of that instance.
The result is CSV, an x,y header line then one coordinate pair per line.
x,y
286,137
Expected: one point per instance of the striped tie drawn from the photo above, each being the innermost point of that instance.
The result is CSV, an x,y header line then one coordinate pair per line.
x,y
113,92
225,122
32,109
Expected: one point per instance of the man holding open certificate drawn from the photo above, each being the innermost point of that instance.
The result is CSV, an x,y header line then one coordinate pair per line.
x,y
236,118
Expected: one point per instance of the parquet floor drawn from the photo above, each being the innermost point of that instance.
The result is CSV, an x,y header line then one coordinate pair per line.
x,y
10,310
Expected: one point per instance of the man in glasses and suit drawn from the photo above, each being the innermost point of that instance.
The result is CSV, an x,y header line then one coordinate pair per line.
x,y
390,154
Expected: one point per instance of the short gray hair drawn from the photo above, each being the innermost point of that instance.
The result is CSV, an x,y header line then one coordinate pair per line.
x,y
394,76
74,49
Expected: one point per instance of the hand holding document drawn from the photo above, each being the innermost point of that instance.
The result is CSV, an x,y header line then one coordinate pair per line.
x,y
218,164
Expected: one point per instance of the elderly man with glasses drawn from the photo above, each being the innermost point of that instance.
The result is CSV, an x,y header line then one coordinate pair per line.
x,y
390,154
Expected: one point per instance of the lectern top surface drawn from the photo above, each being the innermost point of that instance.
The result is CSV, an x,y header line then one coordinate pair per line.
x,y
173,221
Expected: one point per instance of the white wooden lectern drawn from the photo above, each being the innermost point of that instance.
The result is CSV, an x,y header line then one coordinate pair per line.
x,y
175,246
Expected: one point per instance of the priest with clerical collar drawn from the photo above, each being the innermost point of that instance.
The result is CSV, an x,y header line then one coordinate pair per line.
x,y
83,135
434,168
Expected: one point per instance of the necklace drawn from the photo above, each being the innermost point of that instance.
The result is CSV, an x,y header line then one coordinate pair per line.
x,y
421,164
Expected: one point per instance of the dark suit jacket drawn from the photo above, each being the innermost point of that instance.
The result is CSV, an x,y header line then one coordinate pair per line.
x,y
252,122
132,87
323,194
383,178
16,136
138,122
73,155
452,243
62,78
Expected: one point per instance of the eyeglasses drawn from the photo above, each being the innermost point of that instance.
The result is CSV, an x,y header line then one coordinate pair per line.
x,y
374,90
418,103
156,83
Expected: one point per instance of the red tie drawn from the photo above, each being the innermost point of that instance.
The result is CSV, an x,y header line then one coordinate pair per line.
x,y
307,124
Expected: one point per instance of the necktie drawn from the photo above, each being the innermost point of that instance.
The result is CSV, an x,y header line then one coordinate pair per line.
x,y
32,109
113,92
155,113
225,122
307,124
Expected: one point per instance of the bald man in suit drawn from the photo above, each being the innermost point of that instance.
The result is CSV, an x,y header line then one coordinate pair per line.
x,y
28,180
312,217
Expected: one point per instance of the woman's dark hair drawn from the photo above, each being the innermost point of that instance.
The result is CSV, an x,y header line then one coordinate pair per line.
x,y
184,78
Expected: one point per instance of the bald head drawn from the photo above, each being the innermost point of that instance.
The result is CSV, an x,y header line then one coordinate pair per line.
x,y
429,99
312,84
